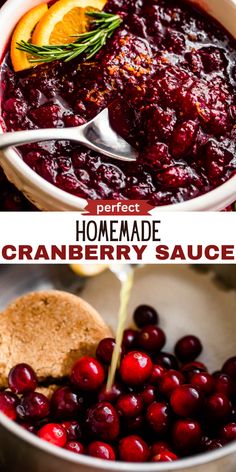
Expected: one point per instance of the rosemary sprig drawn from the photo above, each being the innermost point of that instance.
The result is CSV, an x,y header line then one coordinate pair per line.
x,y
88,43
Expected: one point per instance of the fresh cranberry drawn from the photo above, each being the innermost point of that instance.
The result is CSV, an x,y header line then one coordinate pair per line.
x,y
192,368
54,434
188,348
170,381
29,427
228,432
87,374
75,446
129,342
65,403
132,425
159,446
133,449
73,430
156,375
229,368
213,444
158,417
103,421
165,456
145,315
22,379
148,394
8,404
224,384
110,395
167,360
129,405
186,400
135,368
105,350
101,450
151,339
217,408
33,406
204,382
186,436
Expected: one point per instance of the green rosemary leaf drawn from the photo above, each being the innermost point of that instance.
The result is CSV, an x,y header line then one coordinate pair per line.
x,y
88,43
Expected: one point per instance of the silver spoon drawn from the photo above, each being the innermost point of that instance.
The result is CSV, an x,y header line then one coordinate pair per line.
x,y
97,135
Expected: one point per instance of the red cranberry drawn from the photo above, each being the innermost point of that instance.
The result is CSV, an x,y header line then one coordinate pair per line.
x,y
105,349
129,342
188,348
166,360
156,375
133,449
110,395
75,446
33,406
158,417
204,382
29,427
87,374
148,394
224,384
218,407
186,400
132,425
165,456
229,368
73,430
213,444
193,368
101,450
8,404
151,339
103,421
170,381
159,446
186,436
135,368
145,315
22,379
54,434
129,405
228,432
65,403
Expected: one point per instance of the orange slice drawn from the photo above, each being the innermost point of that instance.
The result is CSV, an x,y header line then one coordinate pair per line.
x,y
63,20
23,31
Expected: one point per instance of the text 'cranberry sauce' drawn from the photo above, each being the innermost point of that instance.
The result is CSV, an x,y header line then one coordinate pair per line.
x,y
169,74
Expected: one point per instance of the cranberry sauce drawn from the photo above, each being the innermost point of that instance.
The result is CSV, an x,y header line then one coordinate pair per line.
x,y
169,75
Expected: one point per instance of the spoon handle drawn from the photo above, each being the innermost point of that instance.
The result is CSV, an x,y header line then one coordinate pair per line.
x,y
17,138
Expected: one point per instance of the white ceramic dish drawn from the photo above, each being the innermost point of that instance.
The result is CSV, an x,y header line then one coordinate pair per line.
x,y
188,302
48,197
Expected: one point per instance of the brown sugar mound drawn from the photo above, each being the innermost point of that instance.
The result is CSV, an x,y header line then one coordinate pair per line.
x,y
49,330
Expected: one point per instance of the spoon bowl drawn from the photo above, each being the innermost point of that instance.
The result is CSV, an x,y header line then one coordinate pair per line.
x,y
96,134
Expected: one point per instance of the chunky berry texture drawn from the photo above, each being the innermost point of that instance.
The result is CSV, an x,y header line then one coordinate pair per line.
x,y
188,348
87,374
170,78
133,449
53,433
101,450
151,339
157,410
135,368
22,379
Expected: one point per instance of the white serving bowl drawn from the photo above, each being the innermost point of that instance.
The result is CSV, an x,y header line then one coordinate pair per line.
x,y
188,302
48,197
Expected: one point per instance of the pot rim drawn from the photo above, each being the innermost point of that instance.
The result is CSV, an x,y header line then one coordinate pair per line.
x,y
99,464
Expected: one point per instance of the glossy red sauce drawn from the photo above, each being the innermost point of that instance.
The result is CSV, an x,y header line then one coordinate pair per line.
x,y
170,74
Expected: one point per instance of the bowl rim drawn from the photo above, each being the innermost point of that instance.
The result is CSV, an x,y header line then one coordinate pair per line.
x,y
100,464
211,199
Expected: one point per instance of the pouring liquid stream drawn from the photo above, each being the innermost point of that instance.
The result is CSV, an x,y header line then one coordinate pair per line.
x,y
126,287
